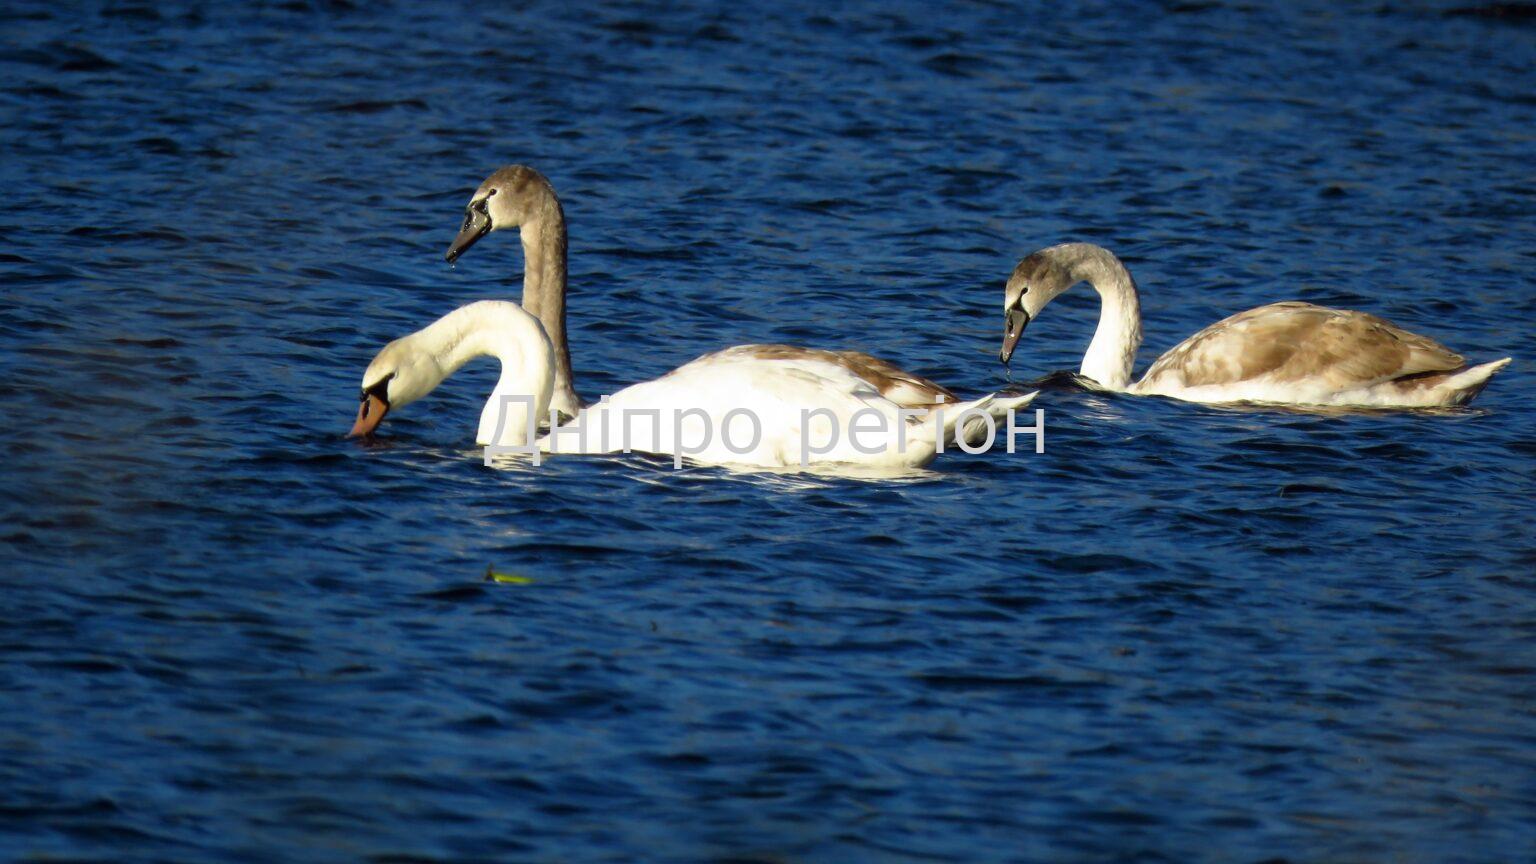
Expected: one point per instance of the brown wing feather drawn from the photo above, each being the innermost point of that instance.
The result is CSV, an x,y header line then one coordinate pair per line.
x,y
903,388
899,386
1293,341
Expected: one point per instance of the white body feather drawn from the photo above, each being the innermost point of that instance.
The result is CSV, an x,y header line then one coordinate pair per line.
x,y
809,412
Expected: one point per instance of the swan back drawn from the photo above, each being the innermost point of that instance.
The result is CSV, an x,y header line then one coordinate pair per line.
x,y
1297,351
892,382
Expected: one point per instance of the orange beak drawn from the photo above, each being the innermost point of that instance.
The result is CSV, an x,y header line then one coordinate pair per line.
x,y
369,414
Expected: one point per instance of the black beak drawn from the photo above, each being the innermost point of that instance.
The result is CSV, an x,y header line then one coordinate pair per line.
x,y
1013,328
476,225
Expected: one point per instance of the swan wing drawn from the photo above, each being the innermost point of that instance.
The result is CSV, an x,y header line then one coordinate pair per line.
x,y
1298,343
889,380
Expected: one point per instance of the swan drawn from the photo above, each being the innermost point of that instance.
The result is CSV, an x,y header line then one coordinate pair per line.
x,y
1288,353
412,366
770,406
520,197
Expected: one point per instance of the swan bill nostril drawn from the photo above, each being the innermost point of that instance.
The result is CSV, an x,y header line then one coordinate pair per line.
x,y
1015,322
369,414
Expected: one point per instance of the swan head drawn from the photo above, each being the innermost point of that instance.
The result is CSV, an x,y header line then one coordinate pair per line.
x,y
510,198
398,376
1036,281
1045,275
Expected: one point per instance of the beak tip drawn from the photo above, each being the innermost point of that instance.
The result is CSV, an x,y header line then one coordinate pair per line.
x,y
1016,321
369,415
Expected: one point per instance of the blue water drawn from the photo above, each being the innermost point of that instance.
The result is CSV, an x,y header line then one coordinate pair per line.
x,y
1182,633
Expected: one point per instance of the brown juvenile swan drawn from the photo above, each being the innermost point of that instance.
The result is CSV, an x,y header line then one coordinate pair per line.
x,y
1289,353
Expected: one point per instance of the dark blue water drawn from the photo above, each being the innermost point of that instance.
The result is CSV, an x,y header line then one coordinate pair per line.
x,y
1183,633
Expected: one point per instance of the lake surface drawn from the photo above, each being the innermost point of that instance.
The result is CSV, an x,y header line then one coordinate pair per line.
x,y
1182,633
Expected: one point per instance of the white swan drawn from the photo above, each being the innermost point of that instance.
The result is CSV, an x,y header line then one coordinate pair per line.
x,y
756,405
1288,353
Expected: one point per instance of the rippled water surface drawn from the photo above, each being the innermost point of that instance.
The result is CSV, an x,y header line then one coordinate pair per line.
x,y
1182,633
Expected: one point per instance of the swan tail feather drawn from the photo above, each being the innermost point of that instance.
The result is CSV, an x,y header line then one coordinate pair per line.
x,y
1469,382
970,421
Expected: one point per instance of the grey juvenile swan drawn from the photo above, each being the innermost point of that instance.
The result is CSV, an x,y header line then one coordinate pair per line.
x,y
520,197
1289,353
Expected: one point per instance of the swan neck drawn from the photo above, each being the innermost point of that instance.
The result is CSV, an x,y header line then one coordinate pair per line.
x,y
492,328
544,274
1111,356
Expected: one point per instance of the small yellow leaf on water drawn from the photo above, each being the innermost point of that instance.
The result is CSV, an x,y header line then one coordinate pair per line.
x,y
508,578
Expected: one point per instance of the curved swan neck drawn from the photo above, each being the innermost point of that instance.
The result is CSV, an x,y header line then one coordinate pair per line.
x,y
1111,356
544,265
495,328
